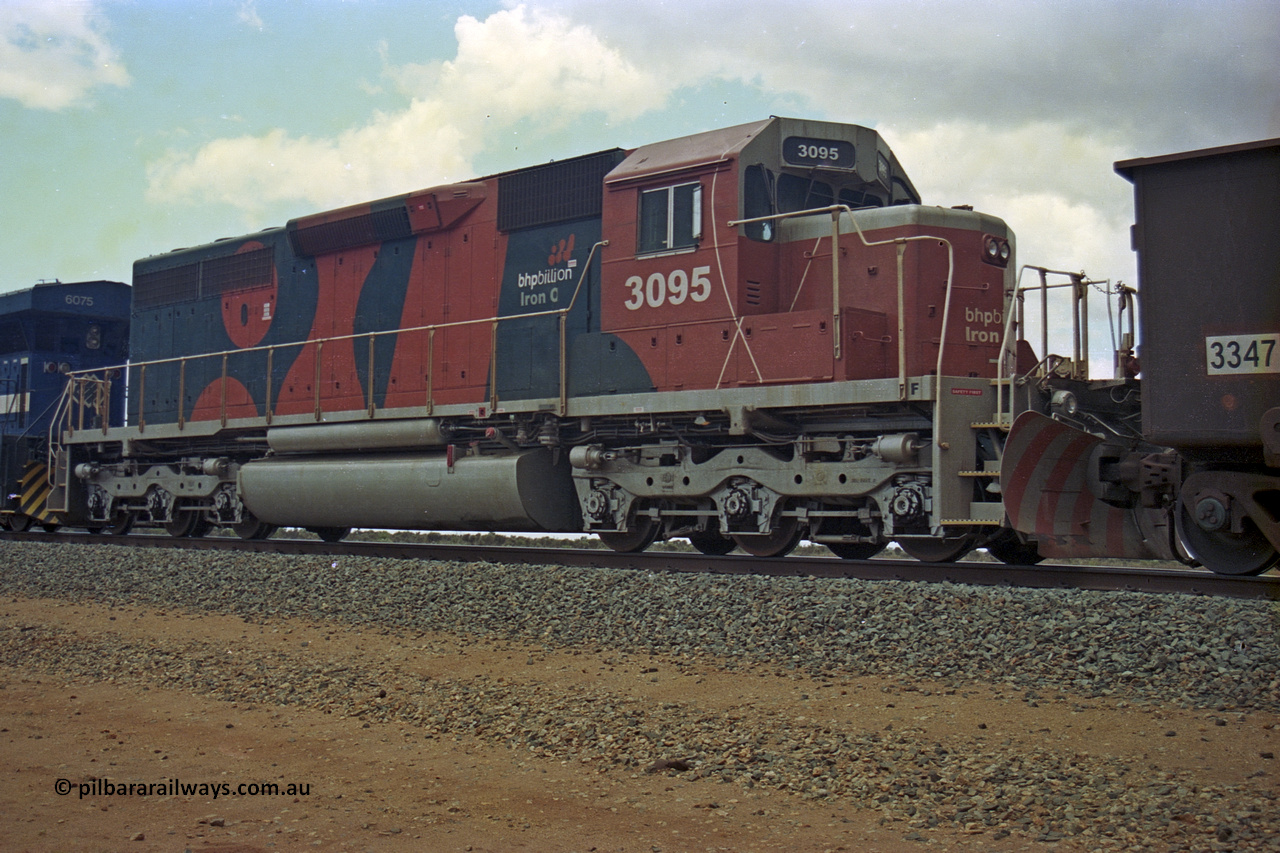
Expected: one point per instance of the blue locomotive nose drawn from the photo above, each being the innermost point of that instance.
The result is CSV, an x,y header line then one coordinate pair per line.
x,y
48,332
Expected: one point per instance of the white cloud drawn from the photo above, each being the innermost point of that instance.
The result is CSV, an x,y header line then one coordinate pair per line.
x,y
248,15
540,66
1200,72
967,162
52,55
516,67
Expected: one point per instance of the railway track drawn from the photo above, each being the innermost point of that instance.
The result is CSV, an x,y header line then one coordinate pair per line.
x,y
1044,576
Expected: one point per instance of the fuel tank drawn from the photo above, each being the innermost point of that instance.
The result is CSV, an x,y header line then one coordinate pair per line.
x,y
526,491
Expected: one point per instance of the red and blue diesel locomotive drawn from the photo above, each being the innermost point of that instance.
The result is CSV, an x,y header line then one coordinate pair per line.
x,y
744,337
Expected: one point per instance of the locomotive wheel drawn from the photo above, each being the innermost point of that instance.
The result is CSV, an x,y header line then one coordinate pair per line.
x,y
855,550
189,525
937,550
253,528
329,534
642,534
1011,550
779,543
122,524
1226,553
20,523
49,526
711,543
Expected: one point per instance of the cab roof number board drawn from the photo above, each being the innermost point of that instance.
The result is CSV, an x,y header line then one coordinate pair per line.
x,y
818,153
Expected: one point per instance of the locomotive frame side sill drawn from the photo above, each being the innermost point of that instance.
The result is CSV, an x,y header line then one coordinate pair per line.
x,y
746,398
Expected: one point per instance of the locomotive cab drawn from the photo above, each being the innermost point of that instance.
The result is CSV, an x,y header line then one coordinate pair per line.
x,y
720,269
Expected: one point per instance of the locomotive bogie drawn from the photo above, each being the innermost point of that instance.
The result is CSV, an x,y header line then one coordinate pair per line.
x,y
835,471
740,488
159,493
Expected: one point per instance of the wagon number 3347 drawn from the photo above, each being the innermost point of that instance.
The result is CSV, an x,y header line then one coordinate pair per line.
x,y
1230,354
674,287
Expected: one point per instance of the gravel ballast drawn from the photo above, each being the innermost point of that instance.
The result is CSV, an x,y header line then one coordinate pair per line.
x,y
1169,649
1216,655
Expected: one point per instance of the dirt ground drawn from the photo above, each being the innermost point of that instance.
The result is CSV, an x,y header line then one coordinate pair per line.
x,y
386,787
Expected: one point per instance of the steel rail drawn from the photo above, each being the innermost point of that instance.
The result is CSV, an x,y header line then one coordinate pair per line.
x,y
1098,578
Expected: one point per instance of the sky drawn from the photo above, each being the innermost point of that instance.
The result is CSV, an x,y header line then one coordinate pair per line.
x,y
133,127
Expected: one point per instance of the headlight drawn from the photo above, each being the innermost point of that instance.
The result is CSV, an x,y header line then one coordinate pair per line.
x,y
995,250
1064,403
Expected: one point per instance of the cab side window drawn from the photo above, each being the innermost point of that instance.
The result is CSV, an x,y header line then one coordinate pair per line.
x,y
670,218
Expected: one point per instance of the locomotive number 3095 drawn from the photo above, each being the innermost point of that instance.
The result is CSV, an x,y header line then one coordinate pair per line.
x,y
672,288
